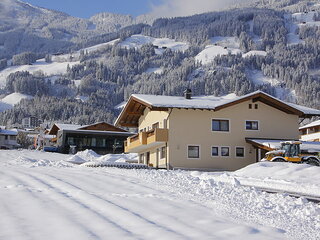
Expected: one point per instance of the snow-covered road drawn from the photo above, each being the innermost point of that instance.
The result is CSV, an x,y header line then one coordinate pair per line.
x,y
43,197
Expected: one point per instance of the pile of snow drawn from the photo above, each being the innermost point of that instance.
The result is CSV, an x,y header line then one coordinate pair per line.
x,y
12,99
89,157
83,156
160,44
302,179
41,161
49,69
220,46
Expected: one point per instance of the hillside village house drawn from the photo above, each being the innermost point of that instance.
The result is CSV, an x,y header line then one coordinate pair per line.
x,y
310,132
101,137
8,139
207,132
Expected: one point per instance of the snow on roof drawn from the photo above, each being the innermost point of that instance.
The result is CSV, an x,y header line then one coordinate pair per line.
x,y
305,110
8,132
63,126
209,102
312,124
204,102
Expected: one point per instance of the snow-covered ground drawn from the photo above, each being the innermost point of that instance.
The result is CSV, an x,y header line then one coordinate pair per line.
x,y
219,46
45,197
10,100
299,19
282,93
156,70
49,69
136,41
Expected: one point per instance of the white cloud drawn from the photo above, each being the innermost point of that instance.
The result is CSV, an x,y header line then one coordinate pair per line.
x,y
172,8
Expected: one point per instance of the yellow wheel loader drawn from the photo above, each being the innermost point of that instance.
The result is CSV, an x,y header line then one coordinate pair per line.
x,y
290,152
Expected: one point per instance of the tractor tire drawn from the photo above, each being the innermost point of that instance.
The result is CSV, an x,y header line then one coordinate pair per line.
x,y
313,161
278,160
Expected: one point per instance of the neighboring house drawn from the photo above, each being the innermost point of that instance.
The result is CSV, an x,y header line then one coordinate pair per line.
x,y
310,132
101,137
8,139
31,122
207,132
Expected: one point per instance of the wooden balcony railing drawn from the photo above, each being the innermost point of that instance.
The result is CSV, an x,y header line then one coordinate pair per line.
x,y
143,139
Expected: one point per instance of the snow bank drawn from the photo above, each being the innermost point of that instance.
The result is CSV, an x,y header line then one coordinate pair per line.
x,y
89,157
302,179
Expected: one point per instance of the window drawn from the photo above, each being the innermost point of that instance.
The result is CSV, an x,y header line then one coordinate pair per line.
x,y
93,142
220,125
225,151
71,141
250,106
214,151
256,106
6,137
252,125
239,151
162,152
193,152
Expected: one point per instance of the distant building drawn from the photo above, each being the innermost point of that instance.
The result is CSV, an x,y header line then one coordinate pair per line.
x,y
8,139
31,122
310,132
101,137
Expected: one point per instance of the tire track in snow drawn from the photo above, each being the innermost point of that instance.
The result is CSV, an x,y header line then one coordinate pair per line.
x,y
104,204
135,205
63,201
39,202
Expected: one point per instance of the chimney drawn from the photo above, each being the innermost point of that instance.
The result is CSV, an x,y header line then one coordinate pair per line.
x,y
187,93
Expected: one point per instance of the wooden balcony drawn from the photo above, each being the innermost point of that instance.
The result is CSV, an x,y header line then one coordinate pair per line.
x,y
145,140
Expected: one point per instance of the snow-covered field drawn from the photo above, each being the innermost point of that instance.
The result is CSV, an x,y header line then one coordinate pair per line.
x,y
10,100
45,197
49,69
136,41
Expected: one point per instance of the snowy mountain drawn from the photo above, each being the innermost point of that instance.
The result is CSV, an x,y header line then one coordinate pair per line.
x,y
83,65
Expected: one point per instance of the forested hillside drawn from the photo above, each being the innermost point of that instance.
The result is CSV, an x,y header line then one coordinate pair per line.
x,y
275,49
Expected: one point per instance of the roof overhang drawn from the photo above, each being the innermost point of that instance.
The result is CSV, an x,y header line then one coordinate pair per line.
x,y
133,110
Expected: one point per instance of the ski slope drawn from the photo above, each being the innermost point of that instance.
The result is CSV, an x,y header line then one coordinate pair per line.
x,y
45,197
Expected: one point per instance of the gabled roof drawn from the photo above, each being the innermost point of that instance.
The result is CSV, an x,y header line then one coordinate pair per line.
x,y
99,126
137,103
312,124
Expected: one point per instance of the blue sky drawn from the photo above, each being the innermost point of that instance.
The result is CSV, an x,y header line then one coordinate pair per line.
x,y
87,8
